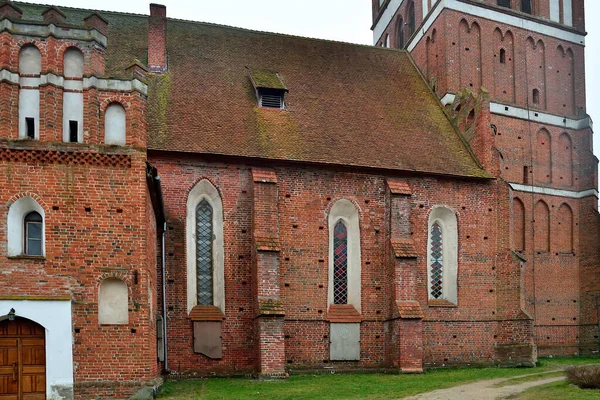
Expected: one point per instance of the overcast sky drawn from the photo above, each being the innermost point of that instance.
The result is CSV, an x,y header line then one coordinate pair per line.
x,y
344,20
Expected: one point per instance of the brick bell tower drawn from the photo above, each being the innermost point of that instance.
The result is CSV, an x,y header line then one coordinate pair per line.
x,y
524,61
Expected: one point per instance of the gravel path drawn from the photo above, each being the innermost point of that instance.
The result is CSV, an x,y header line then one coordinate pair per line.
x,y
484,390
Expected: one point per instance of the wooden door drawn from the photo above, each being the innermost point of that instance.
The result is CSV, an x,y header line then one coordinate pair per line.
x,y
22,360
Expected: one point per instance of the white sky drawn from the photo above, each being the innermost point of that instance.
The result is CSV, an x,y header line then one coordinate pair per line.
x,y
344,20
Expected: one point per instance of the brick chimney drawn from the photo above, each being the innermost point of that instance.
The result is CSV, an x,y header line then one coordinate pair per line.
x,y
157,38
9,10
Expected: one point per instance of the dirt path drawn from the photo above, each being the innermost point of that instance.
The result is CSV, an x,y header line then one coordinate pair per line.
x,y
484,390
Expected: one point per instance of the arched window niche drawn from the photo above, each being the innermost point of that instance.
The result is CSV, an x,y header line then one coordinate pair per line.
x,y
344,255
442,255
73,63
115,125
205,248
30,68
26,228
113,301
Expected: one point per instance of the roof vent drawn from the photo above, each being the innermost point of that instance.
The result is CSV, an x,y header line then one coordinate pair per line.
x,y
270,89
270,98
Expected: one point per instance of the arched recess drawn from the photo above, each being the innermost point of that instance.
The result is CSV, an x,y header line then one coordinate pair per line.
x,y
73,63
115,125
564,227
570,80
400,33
543,158
411,17
30,68
542,227
431,47
536,72
113,302
518,225
564,160
16,234
442,255
504,72
470,55
344,216
204,201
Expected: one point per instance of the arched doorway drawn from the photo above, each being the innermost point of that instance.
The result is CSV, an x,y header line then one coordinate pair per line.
x,y
22,360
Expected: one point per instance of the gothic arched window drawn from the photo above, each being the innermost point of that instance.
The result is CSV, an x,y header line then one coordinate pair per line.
x,y
204,253
437,261
340,263
205,250
442,255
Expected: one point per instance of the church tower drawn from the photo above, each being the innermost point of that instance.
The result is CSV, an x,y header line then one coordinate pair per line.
x,y
525,60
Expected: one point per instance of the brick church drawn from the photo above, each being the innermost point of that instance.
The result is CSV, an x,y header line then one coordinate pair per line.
x,y
192,199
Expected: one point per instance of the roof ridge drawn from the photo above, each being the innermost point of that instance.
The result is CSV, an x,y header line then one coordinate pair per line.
x,y
81,9
214,24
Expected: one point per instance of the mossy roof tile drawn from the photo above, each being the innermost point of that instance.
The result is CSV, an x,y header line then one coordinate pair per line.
x,y
347,104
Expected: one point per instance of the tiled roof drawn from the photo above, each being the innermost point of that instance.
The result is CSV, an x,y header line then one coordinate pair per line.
x,y
347,104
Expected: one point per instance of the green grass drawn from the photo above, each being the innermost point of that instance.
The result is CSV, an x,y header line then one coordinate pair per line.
x,y
347,386
559,391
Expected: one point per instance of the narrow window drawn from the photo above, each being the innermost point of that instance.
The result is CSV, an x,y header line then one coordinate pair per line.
x,y
437,261
526,6
33,234
73,130
204,253
30,122
411,18
502,56
340,264
536,96
504,3
525,175
442,255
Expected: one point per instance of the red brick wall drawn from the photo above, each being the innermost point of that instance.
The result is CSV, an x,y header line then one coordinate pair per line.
x,y
98,221
305,197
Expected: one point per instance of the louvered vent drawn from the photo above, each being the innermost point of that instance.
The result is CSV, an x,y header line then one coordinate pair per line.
x,y
271,100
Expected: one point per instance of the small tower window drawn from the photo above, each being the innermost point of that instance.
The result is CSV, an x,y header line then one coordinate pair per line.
x,y
30,126
73,131
526,6
536,96
502,56
504,3
33,234
270,89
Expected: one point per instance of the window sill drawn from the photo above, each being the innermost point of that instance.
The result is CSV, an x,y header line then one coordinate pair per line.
x,y
441,303
34,258
343,313
206,313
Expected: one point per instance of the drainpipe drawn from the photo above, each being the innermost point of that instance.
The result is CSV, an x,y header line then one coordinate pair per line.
x,y
163,271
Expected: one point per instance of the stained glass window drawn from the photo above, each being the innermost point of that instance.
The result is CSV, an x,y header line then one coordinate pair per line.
x,y
204,253
340,264
437,262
